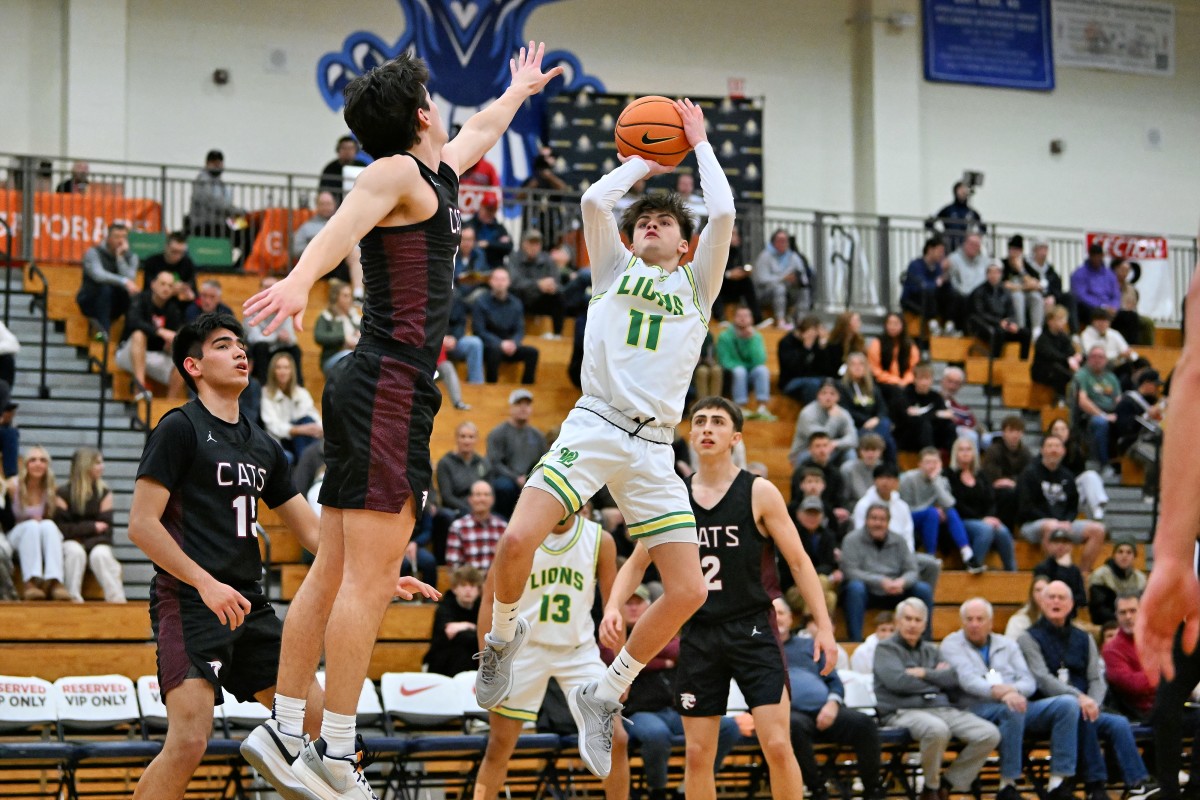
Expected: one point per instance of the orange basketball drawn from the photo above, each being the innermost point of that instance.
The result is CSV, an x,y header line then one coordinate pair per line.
x,y
650,127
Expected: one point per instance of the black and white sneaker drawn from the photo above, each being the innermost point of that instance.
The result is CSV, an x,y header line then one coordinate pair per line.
x,y
334,778
271,751
1142,791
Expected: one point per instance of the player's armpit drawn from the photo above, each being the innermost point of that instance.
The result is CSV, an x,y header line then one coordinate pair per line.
x,y
300,519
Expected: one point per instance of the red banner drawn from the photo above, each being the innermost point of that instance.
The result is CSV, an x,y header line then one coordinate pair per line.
x,y
66,225
1155,282
1131,246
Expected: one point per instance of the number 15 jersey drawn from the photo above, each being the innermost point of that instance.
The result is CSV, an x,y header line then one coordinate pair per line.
x,y
216,472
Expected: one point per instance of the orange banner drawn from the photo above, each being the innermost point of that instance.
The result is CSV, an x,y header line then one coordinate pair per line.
x,y
66,225
270,251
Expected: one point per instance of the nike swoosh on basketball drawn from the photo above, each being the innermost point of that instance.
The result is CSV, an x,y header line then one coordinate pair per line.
x,y
646,139
406,692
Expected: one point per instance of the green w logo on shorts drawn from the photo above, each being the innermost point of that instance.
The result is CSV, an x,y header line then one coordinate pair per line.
x,y
567,457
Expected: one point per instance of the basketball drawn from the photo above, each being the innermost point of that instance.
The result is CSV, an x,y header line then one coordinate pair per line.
x,y
650,127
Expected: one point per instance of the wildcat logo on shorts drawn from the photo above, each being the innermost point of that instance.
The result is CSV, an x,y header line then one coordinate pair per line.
x,y
687,700
567,457
216,667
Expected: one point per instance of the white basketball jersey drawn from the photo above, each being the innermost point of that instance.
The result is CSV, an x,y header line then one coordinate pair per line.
x,y
557,602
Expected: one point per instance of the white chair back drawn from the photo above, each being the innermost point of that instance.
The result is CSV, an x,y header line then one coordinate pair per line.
x,y
860,690
96,701
736,703
154,708
369,708
244,715
26,702
465,681
421,698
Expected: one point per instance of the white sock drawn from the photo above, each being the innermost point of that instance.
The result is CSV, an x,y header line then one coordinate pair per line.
x,y
338,732
289,713
1055,782
504,620
617,678
967,552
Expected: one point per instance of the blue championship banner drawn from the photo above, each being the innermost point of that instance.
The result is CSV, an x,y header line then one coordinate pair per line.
x,y
1002,43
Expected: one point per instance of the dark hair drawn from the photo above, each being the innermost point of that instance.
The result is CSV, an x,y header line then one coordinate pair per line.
x,y
929,451
923,367
871,441
808,322
815,435
670,203
885,470
1130,594
1013,422
345,139
1017,240
381,105
189,341
116,226
721,404
1095,249
958,184
812,472
932,242
214,155
179,237
902,345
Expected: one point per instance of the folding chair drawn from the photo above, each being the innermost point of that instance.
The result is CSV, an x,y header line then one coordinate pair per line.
x,y
32,763
372,724
101,715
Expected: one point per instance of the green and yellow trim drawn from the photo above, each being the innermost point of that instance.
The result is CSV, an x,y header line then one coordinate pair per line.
x,y
575,538
691,279
516,713
667,522
562,487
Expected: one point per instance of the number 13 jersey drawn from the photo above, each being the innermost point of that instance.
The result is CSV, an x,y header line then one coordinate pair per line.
x,y
216,472
558,597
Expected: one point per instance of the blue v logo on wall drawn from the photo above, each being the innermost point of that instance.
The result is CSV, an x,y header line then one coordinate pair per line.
x,y
467,45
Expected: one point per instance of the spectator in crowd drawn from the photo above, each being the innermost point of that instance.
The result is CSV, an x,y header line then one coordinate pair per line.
x,y
10,345
174,258
85,517
1094,285
473,537
1092,495
513,447
1025,287
650,716
1117,577
483,173
824,414
803,361
499,320
1057,566
920,415
862,398
975,501
212,205
1049,281
742,353
1055,361
10,434
880,568
250,400
809,481
858,474
37,541
863,658
490,234
964,420
1064,660
454,642
1049,502
820,456
1135,328
459,469
912,688
1003,462
819,714
332,179
208,300
1101,334
886,491
738,287
349,269
445,372
845,338
778,274
993,317
928,495
1138,429
470,265
1097,393
109,272
8,589
1031,612
927,290
417,557
460,346
995,683
708,379
893,356
281,340
288,411
820,543
958,219
542,209
968,267
685,187
339,326
154,317
79,180
536,281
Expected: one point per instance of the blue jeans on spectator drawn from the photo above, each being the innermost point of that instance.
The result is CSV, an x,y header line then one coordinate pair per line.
x,y
10,449
470,350
857,598
296,445
803,390
1054,715
507,492
759,376
1115,729
1098,429
652,731
984,537
883,429
105,302
927,525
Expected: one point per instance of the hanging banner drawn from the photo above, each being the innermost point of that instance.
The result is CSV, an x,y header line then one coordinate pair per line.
x,y
989,43
1156,292
1119,35
66,225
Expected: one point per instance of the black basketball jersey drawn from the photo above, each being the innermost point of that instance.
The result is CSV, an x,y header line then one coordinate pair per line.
x,y
216,473
408,273
738,561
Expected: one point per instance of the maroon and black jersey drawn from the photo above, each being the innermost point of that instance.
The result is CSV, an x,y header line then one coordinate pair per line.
x,y
408,275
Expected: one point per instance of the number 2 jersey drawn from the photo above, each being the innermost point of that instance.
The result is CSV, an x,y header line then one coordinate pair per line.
x,y
558,597
216,472
645,326
737,560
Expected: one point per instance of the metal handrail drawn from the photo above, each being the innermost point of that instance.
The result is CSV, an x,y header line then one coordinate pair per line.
x,y
42,298
143,397
96,333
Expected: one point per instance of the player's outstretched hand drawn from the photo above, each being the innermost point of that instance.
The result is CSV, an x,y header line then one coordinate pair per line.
x,y
825,644
408,587
655,167
612,630
1173,594
287,298
693,121
527,75
226,602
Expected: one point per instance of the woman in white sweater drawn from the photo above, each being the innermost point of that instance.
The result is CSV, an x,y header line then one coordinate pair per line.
x,y
288,412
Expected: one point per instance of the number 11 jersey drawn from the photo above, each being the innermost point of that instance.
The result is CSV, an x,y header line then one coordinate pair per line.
x,y
216,472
